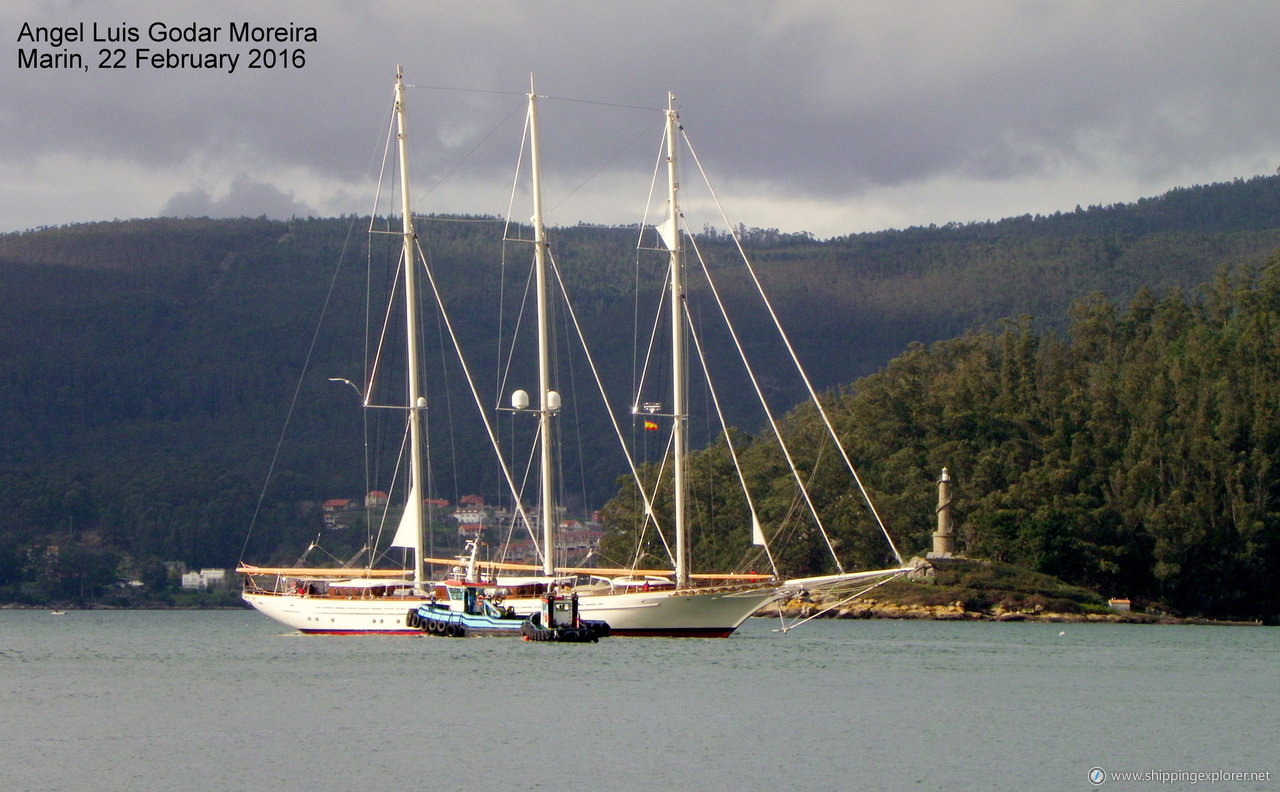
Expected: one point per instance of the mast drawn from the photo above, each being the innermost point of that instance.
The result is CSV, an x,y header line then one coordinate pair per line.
x,y
548,400
416,401
679,402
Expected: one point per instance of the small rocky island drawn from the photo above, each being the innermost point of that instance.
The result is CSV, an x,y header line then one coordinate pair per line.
x,y
961,589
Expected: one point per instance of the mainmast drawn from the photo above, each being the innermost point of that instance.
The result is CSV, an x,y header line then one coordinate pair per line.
x,y
548,400
679,400
417,402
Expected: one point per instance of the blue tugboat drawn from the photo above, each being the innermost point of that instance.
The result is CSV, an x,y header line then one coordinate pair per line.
x,y
467,613
558,620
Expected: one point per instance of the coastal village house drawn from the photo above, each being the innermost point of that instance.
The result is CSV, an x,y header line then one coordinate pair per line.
x,y
575,542
205,579
343,512
472,515
333,507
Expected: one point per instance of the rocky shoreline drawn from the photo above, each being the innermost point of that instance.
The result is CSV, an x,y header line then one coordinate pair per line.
x,y
870,608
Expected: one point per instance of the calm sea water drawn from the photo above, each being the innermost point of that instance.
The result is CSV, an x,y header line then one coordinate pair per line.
x,y
142,700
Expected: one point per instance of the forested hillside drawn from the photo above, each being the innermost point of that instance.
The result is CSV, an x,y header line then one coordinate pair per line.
x,y
1136,453
150,364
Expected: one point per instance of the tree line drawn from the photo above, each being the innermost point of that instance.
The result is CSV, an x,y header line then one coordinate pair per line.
x,y
150,364
1135,453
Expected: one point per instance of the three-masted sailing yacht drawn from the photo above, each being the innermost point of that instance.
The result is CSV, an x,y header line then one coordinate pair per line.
x,y
675,602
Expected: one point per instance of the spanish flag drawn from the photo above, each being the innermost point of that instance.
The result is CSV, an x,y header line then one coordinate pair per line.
x,y
650,426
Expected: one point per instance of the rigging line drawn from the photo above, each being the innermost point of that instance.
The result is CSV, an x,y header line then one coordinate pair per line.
x,y
528,475
850,598
636,384
306,365
448,408
616,156
657,482
371,469
386,507
653,187
503,374
653,341
463,159
382,171
529,465
464,90
475,395
635,331
297,389
577,425
427,489
598,103
519,496
524,482
506,541
755,384
728,439
390,276
794,358
604,397
382,337
515,178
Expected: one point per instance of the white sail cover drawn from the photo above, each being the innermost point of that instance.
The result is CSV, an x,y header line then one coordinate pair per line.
x,y
668,231
407,531
757,533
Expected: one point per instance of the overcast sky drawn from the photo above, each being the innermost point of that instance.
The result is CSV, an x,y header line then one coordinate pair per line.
x,y
828,116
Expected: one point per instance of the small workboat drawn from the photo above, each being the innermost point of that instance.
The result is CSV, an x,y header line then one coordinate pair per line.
x,y
558,620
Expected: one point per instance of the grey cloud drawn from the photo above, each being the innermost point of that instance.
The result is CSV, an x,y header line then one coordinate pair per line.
x,y
245,198
820,99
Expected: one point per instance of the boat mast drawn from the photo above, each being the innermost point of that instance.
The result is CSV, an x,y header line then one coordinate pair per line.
x,y
679,405
416,401
548,400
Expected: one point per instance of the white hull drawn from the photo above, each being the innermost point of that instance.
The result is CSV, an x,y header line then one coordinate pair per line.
x,y
699,613
711,613
336,616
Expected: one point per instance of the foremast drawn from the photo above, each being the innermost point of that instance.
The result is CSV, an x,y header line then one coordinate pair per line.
x,y
416,402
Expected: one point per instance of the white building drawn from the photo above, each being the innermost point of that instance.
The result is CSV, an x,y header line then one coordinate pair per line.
x,y
205,579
